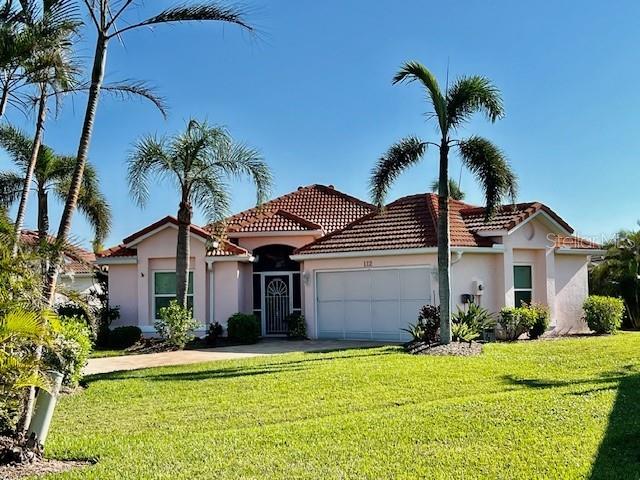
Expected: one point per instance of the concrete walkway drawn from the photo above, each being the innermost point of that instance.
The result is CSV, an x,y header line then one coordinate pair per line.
x,y
185,357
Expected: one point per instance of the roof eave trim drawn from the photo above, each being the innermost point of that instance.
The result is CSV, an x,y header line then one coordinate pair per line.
x,y
229,258
580,251
117,260
498,232
393,253
547,217
278,233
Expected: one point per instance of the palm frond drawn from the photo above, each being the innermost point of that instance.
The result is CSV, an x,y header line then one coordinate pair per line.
x,y
149,157
127,89
404,154
211,11
211,194
469,95
11,185
455,191
17,144
415,71
492,170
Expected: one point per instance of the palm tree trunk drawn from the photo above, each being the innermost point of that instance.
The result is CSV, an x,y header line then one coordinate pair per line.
x,y
183,252
35,150
43,224
4,99
444,247
97,77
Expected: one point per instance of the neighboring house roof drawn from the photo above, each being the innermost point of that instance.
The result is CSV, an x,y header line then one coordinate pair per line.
x,y
314,207
411,222
77,260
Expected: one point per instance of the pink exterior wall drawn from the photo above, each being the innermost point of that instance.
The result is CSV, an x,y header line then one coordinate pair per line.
x,y
227,299
572,289
123,289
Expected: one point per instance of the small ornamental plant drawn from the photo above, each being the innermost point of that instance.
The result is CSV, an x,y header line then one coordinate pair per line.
x,y
603,314
176,325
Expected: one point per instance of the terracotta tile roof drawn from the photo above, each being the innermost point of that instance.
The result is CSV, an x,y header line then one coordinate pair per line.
x,y
76,259
226,249
507,216
411,222
117,251
309,208
163,221
276,221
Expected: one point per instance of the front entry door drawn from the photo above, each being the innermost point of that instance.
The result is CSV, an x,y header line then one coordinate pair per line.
x,y
276,302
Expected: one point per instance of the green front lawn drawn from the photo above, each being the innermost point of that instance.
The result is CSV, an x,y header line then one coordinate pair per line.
x,y
106,353
546,409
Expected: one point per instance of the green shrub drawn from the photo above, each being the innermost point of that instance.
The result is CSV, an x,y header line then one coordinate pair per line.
x,y
243,328
79,311
462,332
541,320
426,328
296,326
124,337
213,333
176,324
70,350
514,321
476,318
603,314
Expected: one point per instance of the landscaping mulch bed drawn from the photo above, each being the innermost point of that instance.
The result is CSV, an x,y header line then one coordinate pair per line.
x,y
20,458
149,345
459,349
38,468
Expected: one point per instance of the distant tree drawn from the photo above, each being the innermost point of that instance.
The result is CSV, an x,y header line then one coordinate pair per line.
x,y
52,174
618,275
198,162
454,189
452,109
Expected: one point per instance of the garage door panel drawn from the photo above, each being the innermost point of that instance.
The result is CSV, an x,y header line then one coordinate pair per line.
x,y
385,284
409,310
385,317
332,315
415,284
356,286
330,286
357,315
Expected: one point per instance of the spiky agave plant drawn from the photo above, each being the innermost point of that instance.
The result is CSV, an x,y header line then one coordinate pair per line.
x,y
451,110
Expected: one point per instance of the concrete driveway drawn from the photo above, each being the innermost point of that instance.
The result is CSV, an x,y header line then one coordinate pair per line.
x,y
185,357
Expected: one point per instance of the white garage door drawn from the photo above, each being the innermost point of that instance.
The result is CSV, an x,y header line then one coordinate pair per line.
x,y
371,304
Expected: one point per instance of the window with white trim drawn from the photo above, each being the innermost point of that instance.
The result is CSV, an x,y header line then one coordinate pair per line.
x,y
522,284
164,290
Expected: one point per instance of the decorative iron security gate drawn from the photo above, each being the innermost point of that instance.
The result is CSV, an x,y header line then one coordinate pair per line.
x,y
277,304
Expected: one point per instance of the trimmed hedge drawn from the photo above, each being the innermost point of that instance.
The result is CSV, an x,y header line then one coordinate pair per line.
x,y
603,314
243,328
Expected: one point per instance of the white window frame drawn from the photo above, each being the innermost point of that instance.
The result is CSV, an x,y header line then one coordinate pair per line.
x,y
515,290
154,316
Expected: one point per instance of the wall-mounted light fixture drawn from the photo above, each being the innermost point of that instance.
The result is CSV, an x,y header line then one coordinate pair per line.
x,y
306,276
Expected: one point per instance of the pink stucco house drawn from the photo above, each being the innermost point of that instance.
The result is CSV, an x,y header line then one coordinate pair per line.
x,y
354,271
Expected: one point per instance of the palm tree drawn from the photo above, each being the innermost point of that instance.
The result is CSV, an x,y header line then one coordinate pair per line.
x,y
454,107
455,191
198,162
50,69
105,15
52,174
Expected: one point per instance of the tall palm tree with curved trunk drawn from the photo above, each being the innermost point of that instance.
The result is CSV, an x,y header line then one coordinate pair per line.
x,y
50,69
198,162
451,109
109,19
52,175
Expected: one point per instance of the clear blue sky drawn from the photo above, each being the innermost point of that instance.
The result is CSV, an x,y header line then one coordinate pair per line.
x,y
313,92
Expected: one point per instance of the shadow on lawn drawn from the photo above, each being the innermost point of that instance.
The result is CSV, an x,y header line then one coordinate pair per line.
x,y
231,372
618,455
